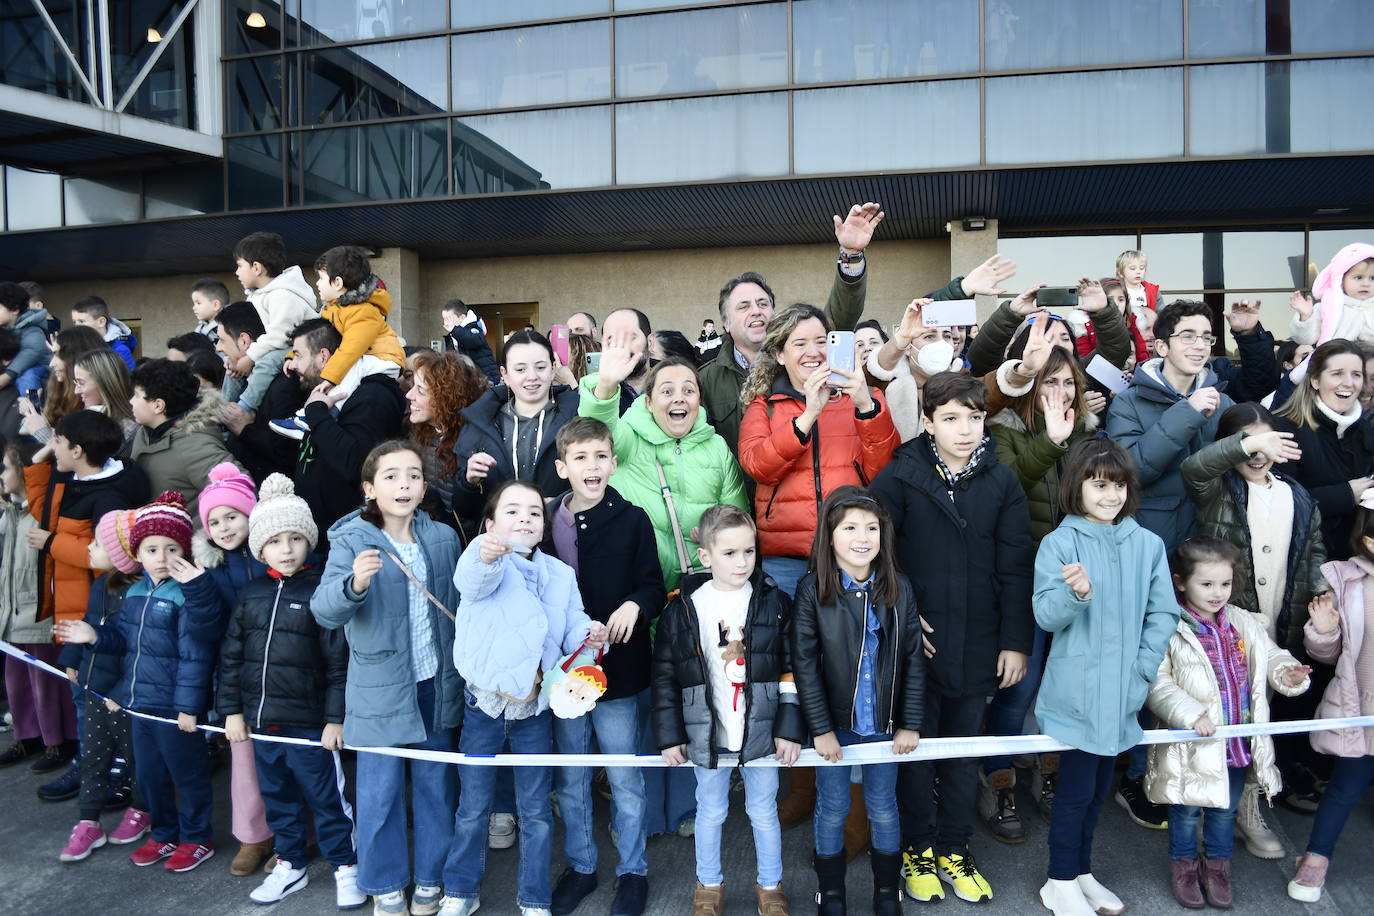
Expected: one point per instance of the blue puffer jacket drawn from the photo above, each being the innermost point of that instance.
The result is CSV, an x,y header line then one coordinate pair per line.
x,y
380,704
96,670
166,670
217,590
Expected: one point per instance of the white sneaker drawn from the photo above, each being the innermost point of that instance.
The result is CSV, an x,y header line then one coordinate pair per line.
x,y
1262,842
282,880
534,911
501,831
459,906
1064,898
425,899
1099,898
346,893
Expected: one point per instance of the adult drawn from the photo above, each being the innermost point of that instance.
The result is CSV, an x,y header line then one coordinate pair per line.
x,y
252,441
444,385
903,363
465,333
631,326
808,429
329,467
10,417
59,396
508,433
746,303
583,323
101,379
1013,319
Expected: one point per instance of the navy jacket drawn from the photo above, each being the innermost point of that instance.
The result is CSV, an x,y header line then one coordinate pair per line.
x,y
96,670
214,593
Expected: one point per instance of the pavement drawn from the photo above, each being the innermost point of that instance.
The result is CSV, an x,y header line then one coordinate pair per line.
x,y
1128,859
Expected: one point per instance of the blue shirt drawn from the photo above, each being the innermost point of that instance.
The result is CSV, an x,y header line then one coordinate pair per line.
x,y
865,710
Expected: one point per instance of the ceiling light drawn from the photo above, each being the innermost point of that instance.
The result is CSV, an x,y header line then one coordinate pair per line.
x,y
255,21
154,36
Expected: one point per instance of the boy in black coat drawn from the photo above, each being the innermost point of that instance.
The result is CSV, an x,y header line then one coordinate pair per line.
x,y
964,541
282,674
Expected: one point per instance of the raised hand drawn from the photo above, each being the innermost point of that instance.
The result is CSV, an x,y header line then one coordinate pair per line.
x,y
1276,445
1091,298
1243,317
1024,305
183,570
1094,401
1059,418
365,565
619,356
479,465
1038,346
1076,578
1321,610
817,394
1302,304
987,278
855,231
912,323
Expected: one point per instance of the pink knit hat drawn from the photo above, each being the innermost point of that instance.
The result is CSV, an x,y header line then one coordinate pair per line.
x,y
165,516
115,533
228,487
1329,287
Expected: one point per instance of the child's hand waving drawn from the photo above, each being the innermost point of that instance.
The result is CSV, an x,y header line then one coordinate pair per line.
x,y
1294,675
1076,577
904,741
182,570
787,751
1301,304
1322,611
366,565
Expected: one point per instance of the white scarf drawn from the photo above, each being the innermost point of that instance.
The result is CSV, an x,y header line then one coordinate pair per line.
x,y
1343,421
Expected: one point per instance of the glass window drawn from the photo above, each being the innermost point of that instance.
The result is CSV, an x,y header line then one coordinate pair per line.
x,y
1028,34
326,21
1323,244
1330,25
376,162
524,150
836,40
1021,130
255,93
646,4
731,47
536,66
252,25
1255,260
136,29
905,126
183,191
1173,259
1227,112
386,80
33,200
1225,28
1062,260
254,172
30,57
735,136
167,93
1316,84
103,200
468,13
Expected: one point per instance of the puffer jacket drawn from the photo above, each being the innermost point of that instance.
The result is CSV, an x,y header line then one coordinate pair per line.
x,y
795,476
96,670
699,468
1158,428
278,666
166,671
1037,462
1222,504
1341,647
360,316
216,590
121,340
181,458
826,645
1329,462
470,339
684,707
1194,772
32,328
20,618
286,301
380,700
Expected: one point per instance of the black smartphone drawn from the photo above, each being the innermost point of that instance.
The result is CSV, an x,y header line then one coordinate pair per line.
x,y
1057,297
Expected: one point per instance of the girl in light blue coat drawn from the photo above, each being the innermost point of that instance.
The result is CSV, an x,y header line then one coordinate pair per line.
x,y
520,611
1103,592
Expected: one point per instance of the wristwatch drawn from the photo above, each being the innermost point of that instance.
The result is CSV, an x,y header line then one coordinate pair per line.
x,y
850,257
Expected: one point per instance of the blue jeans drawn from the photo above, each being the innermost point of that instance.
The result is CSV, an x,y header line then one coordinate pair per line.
x,y
880,798
760,802
669,792
616,723
1350,778
467,856
786,572
1218,824
383,860
1006,714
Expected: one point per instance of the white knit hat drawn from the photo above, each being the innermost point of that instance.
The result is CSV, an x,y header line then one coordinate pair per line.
x,y
279,509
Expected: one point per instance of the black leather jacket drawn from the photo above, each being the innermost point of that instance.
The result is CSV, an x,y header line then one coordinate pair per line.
x,y
826,644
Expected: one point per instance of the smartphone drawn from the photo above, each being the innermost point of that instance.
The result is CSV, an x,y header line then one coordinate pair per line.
x,y
839,349
558,339
593,362
950,313
1057,297
33,394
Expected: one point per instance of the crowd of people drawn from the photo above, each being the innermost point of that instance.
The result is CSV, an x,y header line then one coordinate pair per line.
x,y
294,526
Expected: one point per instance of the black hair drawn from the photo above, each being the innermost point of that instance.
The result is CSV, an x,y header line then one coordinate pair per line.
x,y
190,342
169,381
1239,416
525,337
347,262
455,306
92,305
410,350
747,277
874,324
943,387
13,296
1176,311
35,291
886,580
265,248
319,335
99,437
1287,352
241,318
9,344
1361,528
1192,553
643,320
211,288
207,365
489,510
675,345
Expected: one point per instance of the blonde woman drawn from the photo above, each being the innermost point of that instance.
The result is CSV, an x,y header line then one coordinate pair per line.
x,y
101,379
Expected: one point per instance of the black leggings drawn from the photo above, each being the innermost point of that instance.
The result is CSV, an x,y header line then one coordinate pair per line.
x,y
107,735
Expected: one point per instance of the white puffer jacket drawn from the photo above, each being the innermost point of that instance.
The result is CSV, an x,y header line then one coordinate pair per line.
x,y
1194,772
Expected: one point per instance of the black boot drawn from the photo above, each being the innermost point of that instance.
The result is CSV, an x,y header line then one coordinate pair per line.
x,y
830,877
887,882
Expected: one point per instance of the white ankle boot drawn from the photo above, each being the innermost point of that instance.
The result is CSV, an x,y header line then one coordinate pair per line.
x,y
1064,898
1262,842
1103,901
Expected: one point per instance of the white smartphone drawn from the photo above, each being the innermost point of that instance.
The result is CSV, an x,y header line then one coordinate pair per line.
x,y
1112,378
949,313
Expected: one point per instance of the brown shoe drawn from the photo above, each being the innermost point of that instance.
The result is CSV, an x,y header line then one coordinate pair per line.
x,y
249,857
856,825
771,903
1184,875
708,901
1216,882
797,807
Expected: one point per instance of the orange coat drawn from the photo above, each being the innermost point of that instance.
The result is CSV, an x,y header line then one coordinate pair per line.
x,y
794,477
365,332
64,571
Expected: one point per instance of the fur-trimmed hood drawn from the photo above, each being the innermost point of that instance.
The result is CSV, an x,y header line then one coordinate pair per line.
x,y
204,551
205,417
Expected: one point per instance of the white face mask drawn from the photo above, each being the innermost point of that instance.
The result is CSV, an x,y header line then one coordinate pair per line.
x,y
935,357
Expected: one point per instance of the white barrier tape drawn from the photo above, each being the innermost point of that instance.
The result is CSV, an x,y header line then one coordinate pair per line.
x,y
855,754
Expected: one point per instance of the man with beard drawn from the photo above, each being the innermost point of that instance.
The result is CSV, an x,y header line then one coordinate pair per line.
x,y
253,443
632,326
329,468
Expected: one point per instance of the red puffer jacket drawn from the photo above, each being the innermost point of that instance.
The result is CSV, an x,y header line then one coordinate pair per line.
x,y
793,476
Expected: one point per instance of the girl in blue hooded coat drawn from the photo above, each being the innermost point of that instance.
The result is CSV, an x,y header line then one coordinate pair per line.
x,y
520,611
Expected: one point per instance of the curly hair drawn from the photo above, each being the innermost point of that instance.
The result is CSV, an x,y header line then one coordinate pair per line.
x,y
454,383
767,368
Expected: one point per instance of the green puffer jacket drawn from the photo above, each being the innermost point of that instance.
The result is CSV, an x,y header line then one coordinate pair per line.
x,y
1036,461
700,470
1222,498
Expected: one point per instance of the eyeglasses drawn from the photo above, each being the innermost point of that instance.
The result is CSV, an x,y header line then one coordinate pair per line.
x,y
1188,338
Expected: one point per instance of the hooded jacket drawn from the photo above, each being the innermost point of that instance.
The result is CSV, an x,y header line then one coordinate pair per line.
x,y
1037,462
21,620
181,458
684,708
1106,649
360,316
1341,647
1332,318
470,340
1330,460
32,328
121,340
1158,428
699,470
286,301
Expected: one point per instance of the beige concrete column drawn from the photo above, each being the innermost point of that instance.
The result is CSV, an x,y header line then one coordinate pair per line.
x,y
968,249
399,268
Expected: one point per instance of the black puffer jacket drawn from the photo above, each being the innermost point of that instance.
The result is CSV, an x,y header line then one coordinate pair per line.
x,y
826,644
278,667
684,712
469,340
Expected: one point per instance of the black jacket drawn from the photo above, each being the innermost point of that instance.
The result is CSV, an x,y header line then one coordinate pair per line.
x,y
1258,372
617,561
257,448
1328,464
469,340
90,499
278,667
98,671
683,709
969,559
826,645
330,465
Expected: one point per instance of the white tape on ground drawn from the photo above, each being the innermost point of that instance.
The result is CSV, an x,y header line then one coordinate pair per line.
x,y
929,748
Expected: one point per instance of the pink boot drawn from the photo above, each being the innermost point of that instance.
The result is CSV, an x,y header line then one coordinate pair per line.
x,y
131,828
1307,884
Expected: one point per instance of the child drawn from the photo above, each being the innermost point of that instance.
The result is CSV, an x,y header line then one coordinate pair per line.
x,y
282,674
165,672
463,331
856,655
1335,634
94,313
208,296
520,612
283,299
1141,294
356,304
1102,591
29,369
1215,672
965,545
609,543
1345,289
1086,337
401,692
107,735
181,436
723,673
